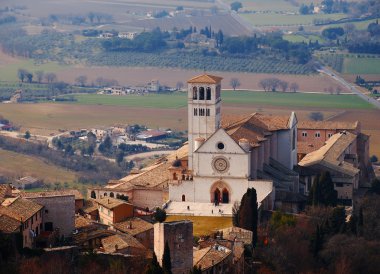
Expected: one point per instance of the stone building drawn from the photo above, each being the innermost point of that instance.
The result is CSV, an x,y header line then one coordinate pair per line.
x,y
179,236
138,228
59,210
27,213
112,210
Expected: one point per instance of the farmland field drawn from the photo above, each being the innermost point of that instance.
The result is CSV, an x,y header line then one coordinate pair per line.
x,y
204,225
273,19
265,5
178,100
361,65
18,165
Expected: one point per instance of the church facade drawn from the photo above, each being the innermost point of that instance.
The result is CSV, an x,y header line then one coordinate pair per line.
x,y
223,157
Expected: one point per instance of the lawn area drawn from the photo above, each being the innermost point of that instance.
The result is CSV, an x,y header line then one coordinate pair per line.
x,y
18,165
178,100
361,65
9,72
273,19
204,225
298,38
265,5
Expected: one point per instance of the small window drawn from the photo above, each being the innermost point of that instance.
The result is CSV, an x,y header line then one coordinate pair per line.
x,y
339,184
208,93
207,112
304,134
329,135
195,93
317,134
201,93
46,211
201,112
195,112
220,145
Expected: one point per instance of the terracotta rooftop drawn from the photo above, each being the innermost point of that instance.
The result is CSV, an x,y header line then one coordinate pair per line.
x,y
328,125
27,180
254,127
19,209
210,256
114,243
305,147
232,233
133,226
329,155
90,206
5,191
8,224
205,79
110,203
81,222
66,192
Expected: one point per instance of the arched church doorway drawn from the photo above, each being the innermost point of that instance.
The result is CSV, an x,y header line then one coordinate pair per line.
x,y
225,196
217,196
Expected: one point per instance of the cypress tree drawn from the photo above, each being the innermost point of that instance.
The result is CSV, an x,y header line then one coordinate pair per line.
x,y
166,260
248,213
154,267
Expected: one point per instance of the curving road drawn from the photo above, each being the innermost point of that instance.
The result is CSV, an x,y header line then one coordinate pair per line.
x,y
350,86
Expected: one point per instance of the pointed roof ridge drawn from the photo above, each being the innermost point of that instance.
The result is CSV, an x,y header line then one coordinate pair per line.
x,y
205,79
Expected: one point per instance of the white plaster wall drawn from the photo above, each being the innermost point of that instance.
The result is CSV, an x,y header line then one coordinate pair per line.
x,y
186,188
285,148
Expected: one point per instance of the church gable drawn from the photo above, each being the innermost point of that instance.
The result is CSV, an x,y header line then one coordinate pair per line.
x,y
220,142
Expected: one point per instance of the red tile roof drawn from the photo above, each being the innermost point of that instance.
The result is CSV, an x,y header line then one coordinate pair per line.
x,y
205,79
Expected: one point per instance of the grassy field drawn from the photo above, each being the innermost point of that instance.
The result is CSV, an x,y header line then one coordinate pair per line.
x,y
264,5
9,72
361,65
178,100
273,19
297,38
18,165
204,225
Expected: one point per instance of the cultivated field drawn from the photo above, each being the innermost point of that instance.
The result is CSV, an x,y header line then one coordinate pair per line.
x,y
204,225
18,165
179,100
265,5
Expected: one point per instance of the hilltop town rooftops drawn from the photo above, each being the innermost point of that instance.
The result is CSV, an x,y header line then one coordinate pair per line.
x,y
329,154
114,243
8,224
205,79
328,125
110,203
133,226
19,209
67,192
241,234
5,191
210,256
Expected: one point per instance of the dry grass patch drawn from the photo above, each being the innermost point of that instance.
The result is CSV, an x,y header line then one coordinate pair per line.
x,y
204,225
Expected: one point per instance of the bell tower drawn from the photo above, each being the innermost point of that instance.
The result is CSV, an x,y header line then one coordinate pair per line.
x,y
204,104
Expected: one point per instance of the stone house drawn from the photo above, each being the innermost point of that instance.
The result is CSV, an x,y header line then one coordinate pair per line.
x,y
27,182
138,228
113,210
27,213
216,259
125,244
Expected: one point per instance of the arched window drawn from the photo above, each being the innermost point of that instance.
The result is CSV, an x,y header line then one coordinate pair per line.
x,y
174,176
201,93
195,93
118,196
183,198
225,196
105,194
208,93
112,195
93,195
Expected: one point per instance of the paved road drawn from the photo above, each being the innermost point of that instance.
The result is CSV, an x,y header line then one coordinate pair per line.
x,y
350,86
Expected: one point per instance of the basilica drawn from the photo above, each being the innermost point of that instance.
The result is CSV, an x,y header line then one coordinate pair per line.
x,y
223,157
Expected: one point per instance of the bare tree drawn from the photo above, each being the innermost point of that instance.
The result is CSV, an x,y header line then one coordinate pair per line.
x,y
179,85
283,85
21,74
294,87
29,76
235,83
338,90
39,76
81,80
50,77
274,83
265,84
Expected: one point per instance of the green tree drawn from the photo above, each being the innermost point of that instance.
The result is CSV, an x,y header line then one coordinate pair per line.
x,y
322,192
159,215
154,267
27,135
196,270
166,260
317,241
337,220
375,186
236,6
248,213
